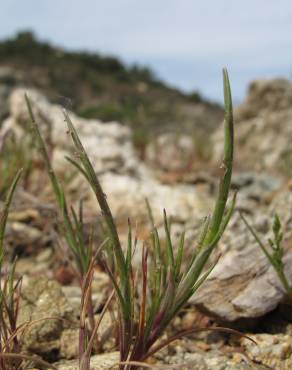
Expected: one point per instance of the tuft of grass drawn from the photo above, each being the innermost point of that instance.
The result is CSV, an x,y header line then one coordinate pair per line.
x,y
274,251
147,302
166,286
123,287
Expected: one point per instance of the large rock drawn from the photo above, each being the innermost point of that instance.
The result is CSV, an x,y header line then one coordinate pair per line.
x,y
263,130
126,180
244,285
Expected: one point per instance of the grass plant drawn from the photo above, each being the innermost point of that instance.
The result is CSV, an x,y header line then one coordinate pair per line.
x,y
147,302
274,251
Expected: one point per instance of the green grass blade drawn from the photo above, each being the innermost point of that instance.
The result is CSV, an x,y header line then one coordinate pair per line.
x,y
191,291
4,214
78,167
129,248
226,165
202,257
257,239
125,289
274,259
150,213
179,256
225,221
98,191
42,148
157,246
204,232
200,243
169,246
69,231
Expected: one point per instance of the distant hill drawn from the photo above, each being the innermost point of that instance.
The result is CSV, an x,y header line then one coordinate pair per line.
x,y
103,87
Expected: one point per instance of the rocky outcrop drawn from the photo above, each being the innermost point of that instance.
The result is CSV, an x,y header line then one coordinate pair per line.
x,y
263,130
125,179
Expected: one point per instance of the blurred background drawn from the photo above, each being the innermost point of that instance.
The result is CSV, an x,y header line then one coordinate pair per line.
x,y
155,67
185,43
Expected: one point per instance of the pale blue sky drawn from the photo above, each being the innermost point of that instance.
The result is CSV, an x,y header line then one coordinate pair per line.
x,y
185,42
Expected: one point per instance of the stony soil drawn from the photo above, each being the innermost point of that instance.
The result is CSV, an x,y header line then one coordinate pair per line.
x,y
242,292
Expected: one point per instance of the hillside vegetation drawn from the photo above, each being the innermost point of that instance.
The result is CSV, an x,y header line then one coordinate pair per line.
x,y
103,87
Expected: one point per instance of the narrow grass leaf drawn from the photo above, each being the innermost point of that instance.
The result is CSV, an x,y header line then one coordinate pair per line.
x,y
226,165
169,246
4,213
